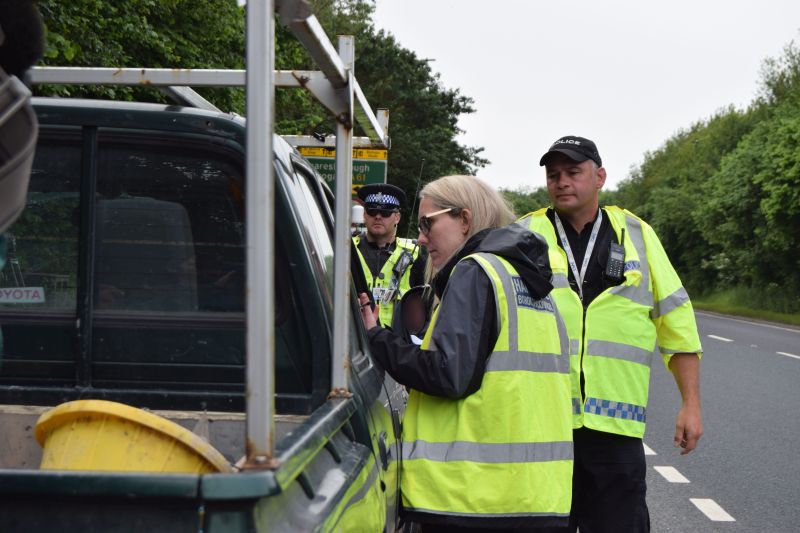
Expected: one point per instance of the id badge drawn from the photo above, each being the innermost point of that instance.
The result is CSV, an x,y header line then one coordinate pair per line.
x,y
377,294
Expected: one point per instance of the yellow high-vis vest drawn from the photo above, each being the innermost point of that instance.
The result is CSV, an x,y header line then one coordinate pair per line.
x,y
382,283
614,342
505,450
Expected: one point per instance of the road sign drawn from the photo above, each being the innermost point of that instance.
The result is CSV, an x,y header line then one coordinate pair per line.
x,y
369,165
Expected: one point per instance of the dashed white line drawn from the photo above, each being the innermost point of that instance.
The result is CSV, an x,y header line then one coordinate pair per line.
x,y
648,450
788,354
720,338
671,474
712,510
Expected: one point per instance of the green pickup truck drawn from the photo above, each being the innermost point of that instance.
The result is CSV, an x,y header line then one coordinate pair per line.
x,y
125,281
140,278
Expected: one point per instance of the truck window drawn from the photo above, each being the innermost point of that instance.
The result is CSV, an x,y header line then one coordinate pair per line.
x,y
316,228
168,284
38,285
169,249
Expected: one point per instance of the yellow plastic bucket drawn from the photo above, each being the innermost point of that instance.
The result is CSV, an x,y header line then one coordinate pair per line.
x,y
102,435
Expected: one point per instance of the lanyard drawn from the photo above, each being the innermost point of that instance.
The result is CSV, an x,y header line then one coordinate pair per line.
x,y
589,247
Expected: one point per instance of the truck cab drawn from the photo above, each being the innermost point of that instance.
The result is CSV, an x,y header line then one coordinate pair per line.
x,y
129,280
125,281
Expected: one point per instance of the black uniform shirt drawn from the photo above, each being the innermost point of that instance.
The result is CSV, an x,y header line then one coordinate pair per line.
x,y
593,280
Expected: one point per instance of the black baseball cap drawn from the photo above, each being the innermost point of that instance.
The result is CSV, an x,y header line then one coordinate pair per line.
x,y
381,196
578,149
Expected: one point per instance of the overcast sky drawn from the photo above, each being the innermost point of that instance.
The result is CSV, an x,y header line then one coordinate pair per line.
x,y
627,74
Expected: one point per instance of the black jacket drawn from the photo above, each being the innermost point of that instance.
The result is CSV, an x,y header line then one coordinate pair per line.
x,y
467,327
463,337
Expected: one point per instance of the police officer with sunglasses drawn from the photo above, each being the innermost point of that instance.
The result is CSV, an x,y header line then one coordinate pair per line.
x,y
391,264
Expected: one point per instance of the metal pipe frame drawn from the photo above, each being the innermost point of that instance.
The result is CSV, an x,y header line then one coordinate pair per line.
x,y
260,183
341,260
335,87
333,96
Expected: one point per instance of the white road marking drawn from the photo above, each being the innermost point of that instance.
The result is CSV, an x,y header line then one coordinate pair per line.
x,y
648,450
720,338
712,510
788,354
671,474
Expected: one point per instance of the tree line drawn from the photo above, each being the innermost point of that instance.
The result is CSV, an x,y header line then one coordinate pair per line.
x,y
211,34
723,194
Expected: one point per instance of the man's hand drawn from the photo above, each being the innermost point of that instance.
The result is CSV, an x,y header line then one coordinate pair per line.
x,y
685,368
688,428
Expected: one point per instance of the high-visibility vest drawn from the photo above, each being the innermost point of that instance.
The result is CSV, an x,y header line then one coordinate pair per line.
x,y
505,450
382,283
615,340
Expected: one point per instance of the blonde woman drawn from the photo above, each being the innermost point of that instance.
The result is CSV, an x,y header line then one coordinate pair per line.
x,y
487,435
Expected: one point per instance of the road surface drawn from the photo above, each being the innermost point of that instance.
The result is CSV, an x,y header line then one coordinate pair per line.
x,y
745,474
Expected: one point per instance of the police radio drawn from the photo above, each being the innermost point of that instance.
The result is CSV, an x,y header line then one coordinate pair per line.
x,y
615,266
398,270
402,263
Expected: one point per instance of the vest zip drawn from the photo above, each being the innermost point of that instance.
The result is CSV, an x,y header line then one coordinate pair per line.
x,y
583,350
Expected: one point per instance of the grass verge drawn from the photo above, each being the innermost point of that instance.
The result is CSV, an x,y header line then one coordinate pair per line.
x,y
727,303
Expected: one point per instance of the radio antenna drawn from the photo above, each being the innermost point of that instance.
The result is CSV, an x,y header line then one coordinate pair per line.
x,y
416,193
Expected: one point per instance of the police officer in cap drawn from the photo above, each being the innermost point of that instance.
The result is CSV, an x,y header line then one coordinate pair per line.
x,y
620,299
391,264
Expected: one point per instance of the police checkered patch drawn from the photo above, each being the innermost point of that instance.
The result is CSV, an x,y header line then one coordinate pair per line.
x,y
524,298
382,198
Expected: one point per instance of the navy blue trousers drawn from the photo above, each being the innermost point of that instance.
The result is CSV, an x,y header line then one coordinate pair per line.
x,y
608,485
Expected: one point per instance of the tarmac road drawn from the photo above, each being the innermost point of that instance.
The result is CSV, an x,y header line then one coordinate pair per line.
x,y
746,469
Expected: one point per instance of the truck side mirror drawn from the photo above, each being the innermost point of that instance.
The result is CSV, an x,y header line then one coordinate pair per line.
x,y
18,132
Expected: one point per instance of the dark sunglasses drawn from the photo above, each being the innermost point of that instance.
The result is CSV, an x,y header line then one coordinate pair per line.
x,y
385,213
425,222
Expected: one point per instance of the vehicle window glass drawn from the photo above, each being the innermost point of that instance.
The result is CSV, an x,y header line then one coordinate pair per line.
x,y
167,277
313,220
170,273
42,266
40,275
169,268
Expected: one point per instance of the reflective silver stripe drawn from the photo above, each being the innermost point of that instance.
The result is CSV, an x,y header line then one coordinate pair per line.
x,y
560,281
622,410
501,361
488,452
511,299
674,300
574,345
638,294
483,515
563,338
617,350
514,359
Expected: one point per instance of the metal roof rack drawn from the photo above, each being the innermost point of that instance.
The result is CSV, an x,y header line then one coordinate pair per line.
x,y
335,86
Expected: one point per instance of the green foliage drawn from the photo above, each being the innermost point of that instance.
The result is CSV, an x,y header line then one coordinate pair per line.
x,y
724,195
748,302
753,209
151,33
210,34
525,200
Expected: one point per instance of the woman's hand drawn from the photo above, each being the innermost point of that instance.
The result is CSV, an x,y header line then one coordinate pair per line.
x,y
368,315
